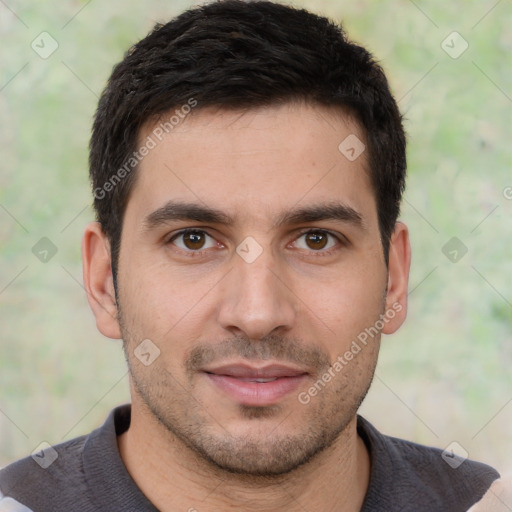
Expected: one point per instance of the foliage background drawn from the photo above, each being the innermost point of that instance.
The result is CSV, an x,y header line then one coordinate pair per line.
x,y
445,376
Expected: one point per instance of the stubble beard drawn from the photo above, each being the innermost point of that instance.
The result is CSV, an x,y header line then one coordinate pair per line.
x,y
270,453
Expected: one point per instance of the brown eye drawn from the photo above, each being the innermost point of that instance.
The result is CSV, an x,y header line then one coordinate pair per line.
x,y
317,241
192,240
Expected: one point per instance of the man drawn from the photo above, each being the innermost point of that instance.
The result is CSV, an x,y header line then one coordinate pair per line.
x,y
247,163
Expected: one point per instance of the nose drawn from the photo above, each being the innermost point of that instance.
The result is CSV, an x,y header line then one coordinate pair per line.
x,y
256,298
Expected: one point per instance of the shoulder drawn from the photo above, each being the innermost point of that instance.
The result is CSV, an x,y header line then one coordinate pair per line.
x,y
498,498
45,474
421,476
79,474
10,505
443,470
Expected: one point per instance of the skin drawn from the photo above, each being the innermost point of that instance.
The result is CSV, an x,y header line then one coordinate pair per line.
x,y
190,445
498,498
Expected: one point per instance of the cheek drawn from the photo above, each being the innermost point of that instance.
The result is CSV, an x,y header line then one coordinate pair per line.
x,y
346,308
162,303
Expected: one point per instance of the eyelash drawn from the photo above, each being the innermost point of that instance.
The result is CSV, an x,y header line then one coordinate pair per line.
x,y
190,253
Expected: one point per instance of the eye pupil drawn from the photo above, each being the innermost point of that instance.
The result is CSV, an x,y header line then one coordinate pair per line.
x,y
319,240
194,239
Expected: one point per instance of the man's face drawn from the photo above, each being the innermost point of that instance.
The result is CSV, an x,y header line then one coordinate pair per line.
x,y
249,315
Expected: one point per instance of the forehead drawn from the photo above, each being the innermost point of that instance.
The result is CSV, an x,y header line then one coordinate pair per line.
x,y
256,163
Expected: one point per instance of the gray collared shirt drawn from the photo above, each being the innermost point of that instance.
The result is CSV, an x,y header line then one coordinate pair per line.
x,y
88,475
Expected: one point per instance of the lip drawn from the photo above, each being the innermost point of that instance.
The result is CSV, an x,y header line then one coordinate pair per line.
x,y
239,382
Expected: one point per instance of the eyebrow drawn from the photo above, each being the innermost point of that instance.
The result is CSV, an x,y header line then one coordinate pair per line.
x,y
179,210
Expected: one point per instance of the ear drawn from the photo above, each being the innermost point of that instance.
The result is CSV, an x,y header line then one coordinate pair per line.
x,y
398,277
98,281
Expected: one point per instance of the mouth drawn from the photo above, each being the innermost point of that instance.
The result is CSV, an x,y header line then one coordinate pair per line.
x,y
256,385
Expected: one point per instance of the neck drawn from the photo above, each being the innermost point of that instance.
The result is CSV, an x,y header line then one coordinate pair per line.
x,y
173,477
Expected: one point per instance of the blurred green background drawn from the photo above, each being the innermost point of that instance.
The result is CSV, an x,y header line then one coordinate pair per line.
x,y
445,376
